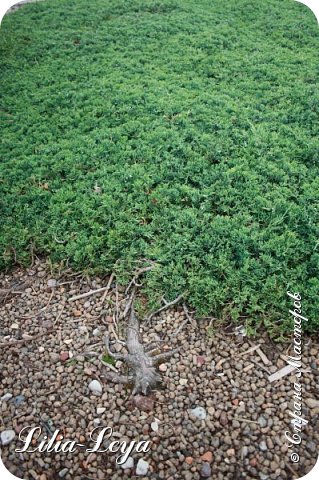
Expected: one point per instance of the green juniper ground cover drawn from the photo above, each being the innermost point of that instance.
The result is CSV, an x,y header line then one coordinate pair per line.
x,y
182,132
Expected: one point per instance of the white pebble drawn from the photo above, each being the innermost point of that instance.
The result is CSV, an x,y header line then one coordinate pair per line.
x,y
7,436
128,464
154,426
100,410
95,387
6,397
198,412
142,467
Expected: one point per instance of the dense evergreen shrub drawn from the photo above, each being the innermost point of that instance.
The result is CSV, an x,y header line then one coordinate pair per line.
x,y
184,132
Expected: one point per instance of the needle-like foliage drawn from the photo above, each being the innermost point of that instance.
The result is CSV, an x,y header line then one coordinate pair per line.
x,y
180,131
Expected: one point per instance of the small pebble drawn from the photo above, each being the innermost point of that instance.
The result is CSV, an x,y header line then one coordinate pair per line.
x,y
128,464
18,400
95,387
142,467
100,410
198,412
312,403
205,470
64,356
262,422
263,446
207,457
7,436
63,472
6,397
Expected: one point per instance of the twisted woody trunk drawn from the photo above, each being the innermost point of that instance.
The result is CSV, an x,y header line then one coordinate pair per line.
x,y
140,359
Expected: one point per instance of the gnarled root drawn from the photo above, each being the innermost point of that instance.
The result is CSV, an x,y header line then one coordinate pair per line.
x,y
140,360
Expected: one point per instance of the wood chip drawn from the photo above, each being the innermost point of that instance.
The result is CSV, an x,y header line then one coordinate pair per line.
x,y
261,366
248,367
263,356
220,362
250,350
281,373
241,419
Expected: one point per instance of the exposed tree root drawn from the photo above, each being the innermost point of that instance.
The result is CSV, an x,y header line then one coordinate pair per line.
x,y
140,359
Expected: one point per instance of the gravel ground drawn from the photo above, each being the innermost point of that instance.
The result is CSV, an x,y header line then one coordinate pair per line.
x,y
45,382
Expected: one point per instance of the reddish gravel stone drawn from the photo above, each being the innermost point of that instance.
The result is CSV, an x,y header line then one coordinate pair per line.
x,y
144,403
200,360
64,356
207,457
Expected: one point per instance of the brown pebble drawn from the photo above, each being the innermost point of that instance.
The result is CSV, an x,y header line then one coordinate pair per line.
x,y
207,457
223,419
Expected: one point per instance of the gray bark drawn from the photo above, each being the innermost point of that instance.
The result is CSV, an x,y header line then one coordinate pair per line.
x,y
140,360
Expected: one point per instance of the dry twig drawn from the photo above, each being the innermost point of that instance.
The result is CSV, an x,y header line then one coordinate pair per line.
x,y
59,315
137,275
88,294
167,305
109,283
21,341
